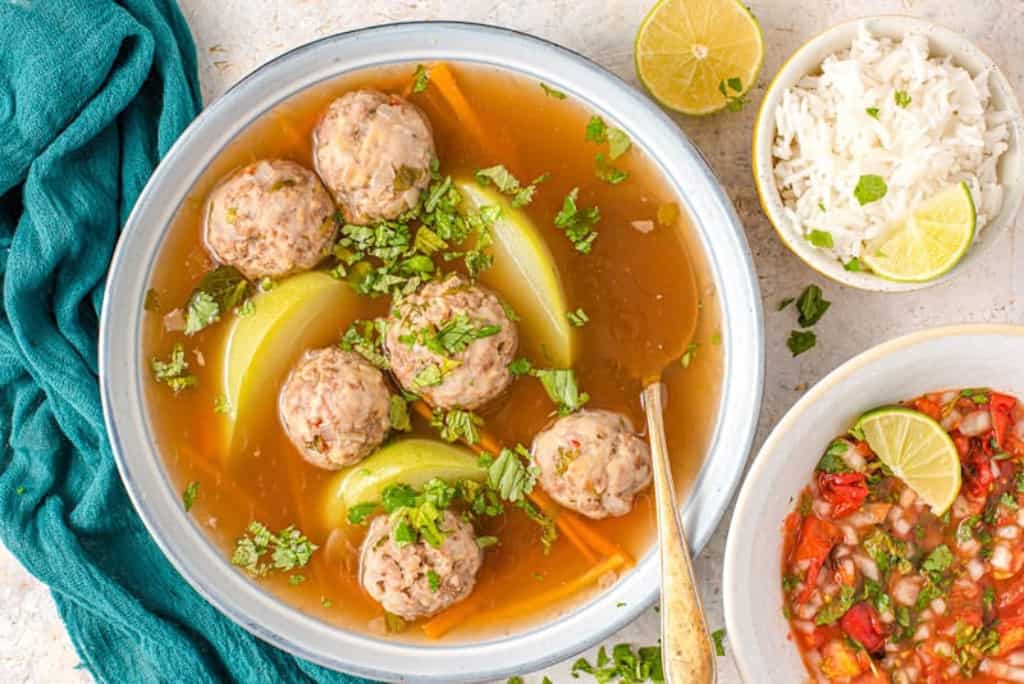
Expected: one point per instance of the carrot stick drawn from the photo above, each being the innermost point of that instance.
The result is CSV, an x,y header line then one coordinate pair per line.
x,y
540,601
439,625
579,533
441,75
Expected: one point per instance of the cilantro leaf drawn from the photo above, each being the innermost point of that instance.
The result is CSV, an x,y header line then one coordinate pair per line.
x,y
811,305
832,611
173,371
398,413
578,223
358,514
552,92
560,384
821,238
902,98
219,291
420,79
800,341
510,476
366,338
188,497
870,188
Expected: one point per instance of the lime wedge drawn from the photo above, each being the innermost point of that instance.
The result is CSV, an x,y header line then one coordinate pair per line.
x,y
699,56
526,276
412,462
917,450
927,243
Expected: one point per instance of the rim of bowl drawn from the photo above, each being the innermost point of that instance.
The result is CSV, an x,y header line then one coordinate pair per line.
x,y
736,615
122,368
826,42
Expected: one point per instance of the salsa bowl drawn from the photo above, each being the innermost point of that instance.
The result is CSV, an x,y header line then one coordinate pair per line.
x,y
901,369
123,368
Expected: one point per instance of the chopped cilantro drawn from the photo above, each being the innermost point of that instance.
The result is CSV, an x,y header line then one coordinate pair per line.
x,y
296,579
552,92
420,79
560,384
718,636
358,514
288,549
520,366
596,130
456,424
853,265
221,405
800,341
784,303
811,305
508,184
219,291
173,371
188,497
837,607
902,98
578,223
821,238
366,338
605,171
486,542
398,413
872,112
730,89
578,318
428,376
832,461
624,665
688,355
870,188
511,476
434,580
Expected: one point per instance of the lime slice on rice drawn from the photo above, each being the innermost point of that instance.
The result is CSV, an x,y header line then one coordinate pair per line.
x,y
929,242
699,56
917,450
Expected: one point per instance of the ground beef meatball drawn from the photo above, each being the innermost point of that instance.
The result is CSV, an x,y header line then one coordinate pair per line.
x,y
335,407
400,578
373,151
270,218
593,462
451,312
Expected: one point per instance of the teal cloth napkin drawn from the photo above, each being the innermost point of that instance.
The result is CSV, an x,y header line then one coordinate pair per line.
x,y
92,94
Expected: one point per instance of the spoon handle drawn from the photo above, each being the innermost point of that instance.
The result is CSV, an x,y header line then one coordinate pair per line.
x,y
685,641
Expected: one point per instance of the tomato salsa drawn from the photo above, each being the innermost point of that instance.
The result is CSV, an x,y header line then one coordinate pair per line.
x,y
880,589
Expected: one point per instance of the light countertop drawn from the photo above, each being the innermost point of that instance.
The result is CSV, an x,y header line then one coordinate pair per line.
x,y
233,37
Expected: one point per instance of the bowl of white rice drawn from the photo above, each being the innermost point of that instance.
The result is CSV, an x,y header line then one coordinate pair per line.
x,y
896,97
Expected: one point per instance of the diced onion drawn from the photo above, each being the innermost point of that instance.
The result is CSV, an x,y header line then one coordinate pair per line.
x,y
906,590
867,566
822,508
803,626
1008,532
1001,670
976,424
976,569
907,497
1001,558
939,606
923,632
901,527
950,422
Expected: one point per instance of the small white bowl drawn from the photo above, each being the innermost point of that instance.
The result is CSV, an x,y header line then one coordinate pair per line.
x,y
807,60
941,358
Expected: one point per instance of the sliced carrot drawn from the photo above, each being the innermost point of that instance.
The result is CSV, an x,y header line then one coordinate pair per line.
x,y
441,76
442,623
539,601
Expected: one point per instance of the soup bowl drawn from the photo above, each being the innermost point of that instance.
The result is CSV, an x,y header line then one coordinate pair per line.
x,y
123,368
901,369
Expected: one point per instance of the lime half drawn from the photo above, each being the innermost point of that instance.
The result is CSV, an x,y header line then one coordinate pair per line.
x,y
917,450
929,242
699,56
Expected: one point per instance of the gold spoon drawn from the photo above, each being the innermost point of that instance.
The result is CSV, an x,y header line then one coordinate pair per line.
x,y
685,638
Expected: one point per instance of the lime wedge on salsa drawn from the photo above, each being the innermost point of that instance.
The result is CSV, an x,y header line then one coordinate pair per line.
x,y
929,242
917,450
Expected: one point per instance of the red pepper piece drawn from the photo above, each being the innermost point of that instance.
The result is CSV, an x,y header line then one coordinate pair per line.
x,y
817,537
845,491
862,623
928,408
1000,407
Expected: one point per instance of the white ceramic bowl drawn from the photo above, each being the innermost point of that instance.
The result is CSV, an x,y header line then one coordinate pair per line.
x,y
123,370
807,60
953,357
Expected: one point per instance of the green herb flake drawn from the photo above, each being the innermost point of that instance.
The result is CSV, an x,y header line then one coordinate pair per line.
x,y
288,549
398,413
511,476
456,424
560,384
220,290
188,497
811,305
578,223
606,172
902,98
870,188
294,580
326,602
578,318
152,301
718,636
359,513
832,460
872,112
520,366
784,303
420,79
596,130
366,338
837,607
221,405
821,238
853,265
173,371
434,580
552,92
801,341
730,88
688,355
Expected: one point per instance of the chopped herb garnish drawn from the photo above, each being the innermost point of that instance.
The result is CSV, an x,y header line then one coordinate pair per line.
x,y
872,112
784,303
398,413
428,376
718,636
837,607
456,424
358,514
220,290
511,476
152,301
598,132
607,172
486,542
420,79
821,238
552,92
508,184
366,338
853,265
578,318
902,98
800,341
288,549
434,580
393,623
173,371
730,89
624,665
326,602
520,366
688,355
578,223
188,497
870,188
221,405
811,305
832,461
560,384
296,579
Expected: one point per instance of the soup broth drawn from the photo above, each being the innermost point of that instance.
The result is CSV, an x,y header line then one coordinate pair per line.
x,y
645,292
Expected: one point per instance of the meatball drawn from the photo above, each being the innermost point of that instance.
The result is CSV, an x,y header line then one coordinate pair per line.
x,y
593,462
465,322
269,219
374,152
400,577
335,407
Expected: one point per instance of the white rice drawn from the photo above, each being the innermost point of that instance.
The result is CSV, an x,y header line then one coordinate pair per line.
x,y
826,139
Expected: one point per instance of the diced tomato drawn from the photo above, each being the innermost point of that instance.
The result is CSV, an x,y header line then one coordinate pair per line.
x,y
1000,406
879,677
976,469
862,623
817,537
962,442
929,408
1011,597
790,530
1011,635
845,491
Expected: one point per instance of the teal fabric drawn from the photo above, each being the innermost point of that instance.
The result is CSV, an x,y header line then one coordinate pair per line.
x,y
92,94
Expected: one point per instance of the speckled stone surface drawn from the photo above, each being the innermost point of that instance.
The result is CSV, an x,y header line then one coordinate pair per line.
x,y
236,36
